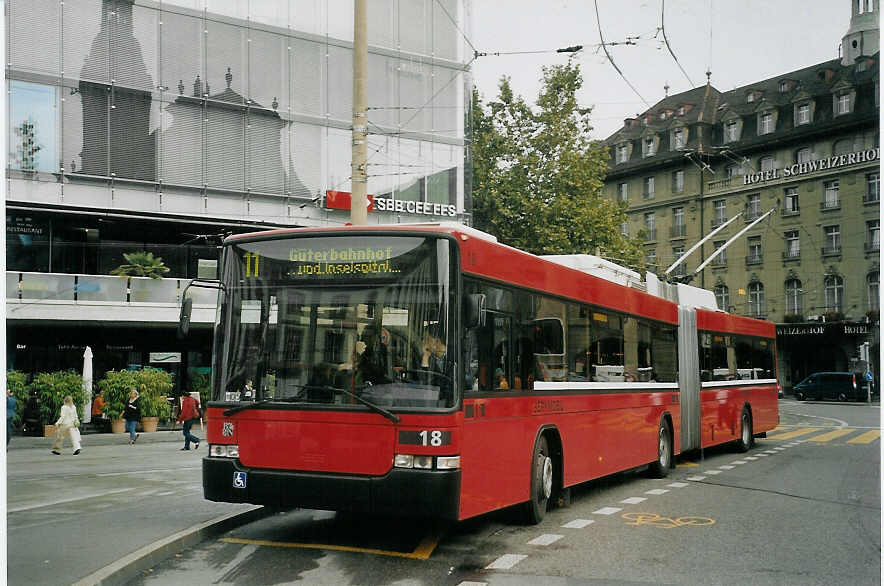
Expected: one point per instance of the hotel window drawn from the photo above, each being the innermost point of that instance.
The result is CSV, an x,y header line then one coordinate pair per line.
x,y
802,114
677,181
754,244
790,197
842,104
794,304
650,146
784,86
731,131
753,206
681,110
722,297
651,258
834,292
648,188
802,155
873,235
678,138
750,97
622,153
793,245
681,269
756,299
872,188
721,257
765,123
623,192
678,226
650,226
767,163
719,212
831,197
832,239
873,289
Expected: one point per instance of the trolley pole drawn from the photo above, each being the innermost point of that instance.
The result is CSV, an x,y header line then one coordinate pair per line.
x,y
359,176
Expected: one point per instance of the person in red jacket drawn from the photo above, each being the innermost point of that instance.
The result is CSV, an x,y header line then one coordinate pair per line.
x,y
189,414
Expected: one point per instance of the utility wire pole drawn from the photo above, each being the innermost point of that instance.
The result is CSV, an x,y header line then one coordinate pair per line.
x,y
359,175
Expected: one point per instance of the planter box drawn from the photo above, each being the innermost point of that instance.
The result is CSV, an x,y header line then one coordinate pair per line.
x,y
149,424
118,426
49,431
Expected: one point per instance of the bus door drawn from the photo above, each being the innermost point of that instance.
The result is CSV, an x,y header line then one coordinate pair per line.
x,y
689,377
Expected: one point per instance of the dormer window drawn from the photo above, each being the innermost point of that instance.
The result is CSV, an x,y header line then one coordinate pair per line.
x,y
622,153
649,146
766,123
731,131
678,139
802,114
662,115
681,110
842,104
750,97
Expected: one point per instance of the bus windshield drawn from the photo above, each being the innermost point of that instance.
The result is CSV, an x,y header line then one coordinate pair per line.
x,y
317,319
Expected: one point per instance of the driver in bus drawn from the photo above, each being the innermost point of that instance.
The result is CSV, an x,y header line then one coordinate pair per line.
x,y
433,355
248,392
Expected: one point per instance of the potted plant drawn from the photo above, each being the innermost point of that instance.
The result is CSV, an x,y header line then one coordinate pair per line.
x,y
141,264
115,387
51,389
153,386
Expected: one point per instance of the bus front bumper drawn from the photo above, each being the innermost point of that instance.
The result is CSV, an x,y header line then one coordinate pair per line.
x,y
400,492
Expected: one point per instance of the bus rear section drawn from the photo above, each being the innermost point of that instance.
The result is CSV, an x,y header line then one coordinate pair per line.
x,y
334,374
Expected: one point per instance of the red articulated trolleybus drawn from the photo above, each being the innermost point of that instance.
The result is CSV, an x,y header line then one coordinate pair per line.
x,y
430,370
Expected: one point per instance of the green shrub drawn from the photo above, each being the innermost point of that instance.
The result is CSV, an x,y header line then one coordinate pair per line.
x,y
116,385
17,382
154,386
52,387
202,384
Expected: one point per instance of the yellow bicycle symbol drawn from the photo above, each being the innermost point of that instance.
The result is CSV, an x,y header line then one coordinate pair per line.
x,y
656,520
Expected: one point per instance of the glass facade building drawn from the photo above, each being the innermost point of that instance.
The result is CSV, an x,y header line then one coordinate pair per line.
x,y
156,125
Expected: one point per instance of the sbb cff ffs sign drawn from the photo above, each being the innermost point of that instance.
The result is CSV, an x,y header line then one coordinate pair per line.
x,y
340,200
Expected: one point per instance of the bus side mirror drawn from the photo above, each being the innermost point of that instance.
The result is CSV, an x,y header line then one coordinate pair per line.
x,y
474,310
184,318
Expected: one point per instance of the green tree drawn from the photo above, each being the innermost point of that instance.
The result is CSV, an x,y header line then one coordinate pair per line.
x,y
141,264
538,176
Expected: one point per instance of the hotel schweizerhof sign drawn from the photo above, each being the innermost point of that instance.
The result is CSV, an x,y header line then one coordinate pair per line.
x,y
798,169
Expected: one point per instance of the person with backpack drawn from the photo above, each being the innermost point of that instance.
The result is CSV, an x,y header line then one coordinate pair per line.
x,y
189,414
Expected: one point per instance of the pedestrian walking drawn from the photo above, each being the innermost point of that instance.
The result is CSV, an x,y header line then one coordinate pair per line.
x,y
132,415
11,404
189,415
67,425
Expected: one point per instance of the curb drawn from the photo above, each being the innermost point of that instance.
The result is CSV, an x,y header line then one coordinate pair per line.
x,y
130,566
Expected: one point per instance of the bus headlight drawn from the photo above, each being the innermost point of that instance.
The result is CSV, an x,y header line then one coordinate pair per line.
x,y
448,462
426,462
224,451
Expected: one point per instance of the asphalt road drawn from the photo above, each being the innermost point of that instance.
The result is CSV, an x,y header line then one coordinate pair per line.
x,y
803,507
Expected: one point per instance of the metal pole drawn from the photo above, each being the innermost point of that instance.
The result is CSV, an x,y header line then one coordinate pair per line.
x,y
726,244
359,177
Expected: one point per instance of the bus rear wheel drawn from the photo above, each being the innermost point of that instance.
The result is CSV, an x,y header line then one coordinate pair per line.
x,y
541,482
747,439
660,467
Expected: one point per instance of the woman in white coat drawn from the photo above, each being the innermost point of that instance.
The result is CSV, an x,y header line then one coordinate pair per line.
x,y
68,424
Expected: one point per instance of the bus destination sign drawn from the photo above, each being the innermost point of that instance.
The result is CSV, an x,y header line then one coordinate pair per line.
x,y
332,262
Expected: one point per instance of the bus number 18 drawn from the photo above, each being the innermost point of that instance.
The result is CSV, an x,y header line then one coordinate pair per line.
x,y
434,437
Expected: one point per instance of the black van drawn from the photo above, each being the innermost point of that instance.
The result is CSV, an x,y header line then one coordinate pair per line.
x,y
839,386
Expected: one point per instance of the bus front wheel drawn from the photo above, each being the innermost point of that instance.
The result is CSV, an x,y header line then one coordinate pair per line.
x,y
541,482
660,467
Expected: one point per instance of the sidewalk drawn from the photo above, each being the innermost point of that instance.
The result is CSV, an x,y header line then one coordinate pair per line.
x,y
110,513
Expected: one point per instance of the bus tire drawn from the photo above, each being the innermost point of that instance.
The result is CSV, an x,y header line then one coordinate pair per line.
x,y
541,482
660,467
747,439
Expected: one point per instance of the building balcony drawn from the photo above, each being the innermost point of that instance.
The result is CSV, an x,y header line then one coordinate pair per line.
x,y
754,259
788,213
871,198
677,231
650,234
791,255
872,246
830,205
718,263
102,298
831,250
648,195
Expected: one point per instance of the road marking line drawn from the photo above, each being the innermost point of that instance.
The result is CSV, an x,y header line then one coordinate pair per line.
x,y
794,433
545,539
505,562
16,509
697,478
779,449
607,511
866,438
726,467
751,458
771,452
712,472
656,491
473,584
578,523
739,462
678,484
762,455
421,552
827,437
633,500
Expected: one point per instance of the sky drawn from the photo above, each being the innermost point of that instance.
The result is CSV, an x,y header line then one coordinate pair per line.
x,y
739,41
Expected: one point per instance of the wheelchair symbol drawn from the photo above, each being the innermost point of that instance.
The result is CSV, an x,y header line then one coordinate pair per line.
x,y
239,480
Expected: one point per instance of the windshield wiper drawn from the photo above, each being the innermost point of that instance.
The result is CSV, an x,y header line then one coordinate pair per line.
x,y
376,408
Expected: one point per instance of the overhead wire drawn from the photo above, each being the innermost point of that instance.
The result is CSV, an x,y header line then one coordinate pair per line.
x,y
668,46
608,54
